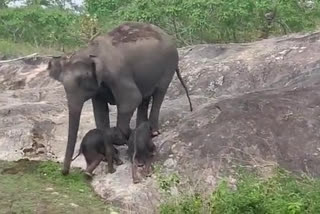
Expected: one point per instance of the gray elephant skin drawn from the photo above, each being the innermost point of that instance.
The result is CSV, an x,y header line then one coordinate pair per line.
x,y
141,149
97,146
124,67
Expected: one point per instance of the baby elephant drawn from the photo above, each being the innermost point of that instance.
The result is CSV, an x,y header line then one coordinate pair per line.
x,y
97,146
141,149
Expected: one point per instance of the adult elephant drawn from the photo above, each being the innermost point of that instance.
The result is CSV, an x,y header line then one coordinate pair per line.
x,y
126,67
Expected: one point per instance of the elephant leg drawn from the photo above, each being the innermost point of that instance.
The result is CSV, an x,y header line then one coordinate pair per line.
x,y
75,108
116,157
93,165
142,114
157,100
123,122
101,112
118,161
147,170
110,163
134,174
128,98
109,154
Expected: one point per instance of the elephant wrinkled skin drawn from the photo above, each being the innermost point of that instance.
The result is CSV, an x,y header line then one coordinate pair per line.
x,y
125,67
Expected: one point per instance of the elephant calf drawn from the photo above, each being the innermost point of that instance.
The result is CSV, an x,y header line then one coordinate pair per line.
x,y
141,149
97,146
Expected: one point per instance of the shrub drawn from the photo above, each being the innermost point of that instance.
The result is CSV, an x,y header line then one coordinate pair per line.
x,y
207,21
282,193
39,26
190,21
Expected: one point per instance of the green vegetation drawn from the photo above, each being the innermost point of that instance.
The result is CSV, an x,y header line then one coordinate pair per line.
x,y
167,182
9,48
206,21
190,21
39,27
283,193
38,187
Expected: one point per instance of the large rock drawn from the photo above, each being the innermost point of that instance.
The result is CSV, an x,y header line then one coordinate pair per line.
x,y
255,104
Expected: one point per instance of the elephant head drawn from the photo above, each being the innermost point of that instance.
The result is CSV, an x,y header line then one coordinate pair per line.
x,y
76,72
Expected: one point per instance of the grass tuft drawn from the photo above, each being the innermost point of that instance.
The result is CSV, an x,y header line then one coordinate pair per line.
x,y
282,193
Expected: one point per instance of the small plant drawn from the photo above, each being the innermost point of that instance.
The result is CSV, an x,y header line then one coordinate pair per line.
x,y
166,182
187,205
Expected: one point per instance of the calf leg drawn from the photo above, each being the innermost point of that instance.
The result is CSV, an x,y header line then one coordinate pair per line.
x,y
148,169
117,160
110,165
135,177
157,100
93,165
109,157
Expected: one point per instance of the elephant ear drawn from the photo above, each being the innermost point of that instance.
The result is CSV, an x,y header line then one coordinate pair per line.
x,y
55,67
97,68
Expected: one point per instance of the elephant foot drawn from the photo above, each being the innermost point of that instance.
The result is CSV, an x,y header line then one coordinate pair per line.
x,y
111,170
119,162
136,180
88,175
147,173
155,134
135,177
65,172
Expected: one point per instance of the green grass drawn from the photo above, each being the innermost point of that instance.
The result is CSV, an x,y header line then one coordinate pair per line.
x,y
283,193
12,49
39,187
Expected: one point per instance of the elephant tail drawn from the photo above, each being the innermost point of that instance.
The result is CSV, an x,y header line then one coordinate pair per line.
x,y
134,147
184,86
76,155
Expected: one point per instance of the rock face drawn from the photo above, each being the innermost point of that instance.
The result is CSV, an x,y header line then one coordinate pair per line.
x,y
255,104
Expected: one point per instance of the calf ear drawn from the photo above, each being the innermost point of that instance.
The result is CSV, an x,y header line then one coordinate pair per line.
x,y
97,68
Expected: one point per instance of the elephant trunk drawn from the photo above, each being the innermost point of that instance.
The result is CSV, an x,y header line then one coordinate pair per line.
x,y
75,109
